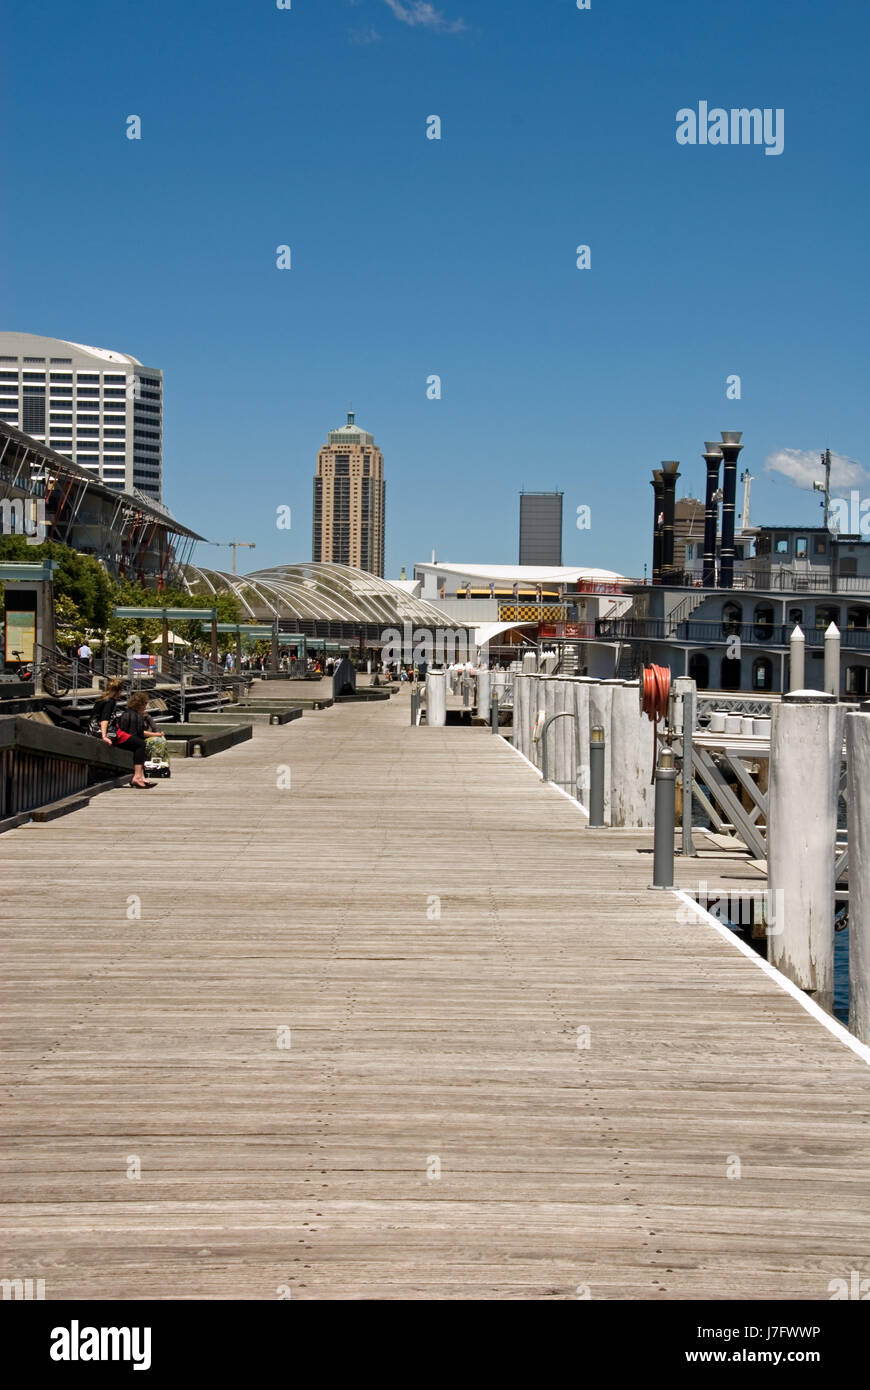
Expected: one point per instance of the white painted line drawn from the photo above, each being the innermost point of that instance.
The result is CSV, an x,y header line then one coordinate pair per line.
x,y
537,771
833,1025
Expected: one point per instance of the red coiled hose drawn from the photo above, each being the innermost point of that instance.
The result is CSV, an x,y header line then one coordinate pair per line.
x,y
655,690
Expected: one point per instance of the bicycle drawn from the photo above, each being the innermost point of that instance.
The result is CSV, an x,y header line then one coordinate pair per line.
x,y
54,681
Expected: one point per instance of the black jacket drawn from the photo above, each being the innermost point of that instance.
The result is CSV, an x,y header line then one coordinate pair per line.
x,y
133,722
104,709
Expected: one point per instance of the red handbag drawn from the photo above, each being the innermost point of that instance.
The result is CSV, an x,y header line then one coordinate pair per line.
x,y
121,736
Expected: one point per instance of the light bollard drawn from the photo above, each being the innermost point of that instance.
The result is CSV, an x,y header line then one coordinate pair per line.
x,y
415,705
663,844
493,713
596,777
466,693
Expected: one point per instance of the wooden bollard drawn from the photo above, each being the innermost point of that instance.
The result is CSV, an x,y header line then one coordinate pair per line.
x,y
858,795
529,697
563,769
542,703
522,697
632,796
580,705
805,754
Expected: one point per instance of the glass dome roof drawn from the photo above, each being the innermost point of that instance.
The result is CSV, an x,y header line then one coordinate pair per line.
x,y
315,591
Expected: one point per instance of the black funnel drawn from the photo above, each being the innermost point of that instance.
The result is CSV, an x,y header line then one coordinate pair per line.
x,y
670,474
712,456
658,488
730,447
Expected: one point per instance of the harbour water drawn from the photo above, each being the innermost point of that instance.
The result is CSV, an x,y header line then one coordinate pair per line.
x,y
841,967
841,975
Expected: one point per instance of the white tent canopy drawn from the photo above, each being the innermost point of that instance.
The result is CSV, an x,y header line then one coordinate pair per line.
x,y
485,632
172,638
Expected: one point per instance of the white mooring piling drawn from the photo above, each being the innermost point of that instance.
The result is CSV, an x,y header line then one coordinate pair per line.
x,y
483,693
563,773
832,660
858,795
797,659
522,696
550,692
632,794
805,756
580,705
436,699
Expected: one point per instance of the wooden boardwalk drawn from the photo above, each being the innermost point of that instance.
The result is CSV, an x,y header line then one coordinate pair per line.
x,y
419,1043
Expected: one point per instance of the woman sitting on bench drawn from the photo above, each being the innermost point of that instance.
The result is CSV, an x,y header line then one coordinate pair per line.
x,y
135,731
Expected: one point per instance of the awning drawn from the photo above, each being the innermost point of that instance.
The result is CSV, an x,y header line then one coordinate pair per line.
x,y
485,632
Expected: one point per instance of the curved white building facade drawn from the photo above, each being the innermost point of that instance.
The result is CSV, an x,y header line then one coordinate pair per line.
x,y
100,408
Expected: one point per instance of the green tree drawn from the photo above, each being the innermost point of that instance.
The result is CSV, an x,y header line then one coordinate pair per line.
x,y
79,578
85,595
71,627
132,595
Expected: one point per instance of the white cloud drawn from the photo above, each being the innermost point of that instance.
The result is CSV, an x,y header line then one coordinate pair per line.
x,y
364,36
420,12
803,467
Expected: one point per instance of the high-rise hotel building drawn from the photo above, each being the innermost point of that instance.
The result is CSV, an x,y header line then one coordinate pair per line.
x,y
349,500
101,409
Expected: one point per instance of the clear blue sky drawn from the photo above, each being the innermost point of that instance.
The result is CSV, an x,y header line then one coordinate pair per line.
x,y
262,127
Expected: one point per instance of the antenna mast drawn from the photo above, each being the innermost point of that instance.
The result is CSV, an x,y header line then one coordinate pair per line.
x,y
747,480
825,488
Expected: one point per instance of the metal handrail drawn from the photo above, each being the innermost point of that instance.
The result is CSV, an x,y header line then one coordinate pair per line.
x,y
771,579
719,631
545,765
178,666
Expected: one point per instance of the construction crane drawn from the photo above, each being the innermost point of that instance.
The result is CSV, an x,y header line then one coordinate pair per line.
x,y
234,546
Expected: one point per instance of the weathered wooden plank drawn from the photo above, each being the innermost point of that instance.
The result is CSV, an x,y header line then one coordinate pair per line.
x,y
418,1030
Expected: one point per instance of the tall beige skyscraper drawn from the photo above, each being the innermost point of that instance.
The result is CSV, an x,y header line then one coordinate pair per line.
x,y
349,500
